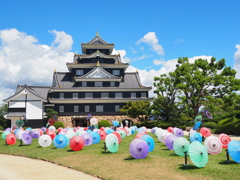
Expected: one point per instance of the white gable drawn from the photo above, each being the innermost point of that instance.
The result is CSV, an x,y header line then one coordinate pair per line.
x,y
98,73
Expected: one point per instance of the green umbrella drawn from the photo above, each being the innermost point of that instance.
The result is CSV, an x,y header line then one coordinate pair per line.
x,y
5,133
122,133
198,154
181,145
19,123
198,118
112,143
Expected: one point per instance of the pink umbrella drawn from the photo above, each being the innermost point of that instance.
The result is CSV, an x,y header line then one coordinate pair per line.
x,y
205,132
225,139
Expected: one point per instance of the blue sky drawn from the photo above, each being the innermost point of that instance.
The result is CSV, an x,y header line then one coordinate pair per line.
x,y
174,28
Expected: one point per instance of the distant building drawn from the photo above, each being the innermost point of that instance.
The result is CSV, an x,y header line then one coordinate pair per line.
x,y
96,84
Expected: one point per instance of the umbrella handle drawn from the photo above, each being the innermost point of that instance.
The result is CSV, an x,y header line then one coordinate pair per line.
x,y
185,155
227,154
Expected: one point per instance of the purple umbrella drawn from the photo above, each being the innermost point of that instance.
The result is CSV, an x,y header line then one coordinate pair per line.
x,y
44,129
7,129
35,134
153,130
26,138
169,141
138,149
178,132
88,140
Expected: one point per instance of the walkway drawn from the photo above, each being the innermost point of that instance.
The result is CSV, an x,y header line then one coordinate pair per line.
x,y
21,168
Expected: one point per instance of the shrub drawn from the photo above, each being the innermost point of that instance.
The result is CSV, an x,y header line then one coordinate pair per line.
x,y
229,126
211,125
58,124
1,128
104,123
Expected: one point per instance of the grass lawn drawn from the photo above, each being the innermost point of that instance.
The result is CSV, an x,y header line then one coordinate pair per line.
x,y
161,163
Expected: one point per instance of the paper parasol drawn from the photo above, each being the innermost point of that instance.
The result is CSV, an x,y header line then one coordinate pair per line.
x,y
70,133
139,135
132,130
95,137
196,137
93,121
208,114
5,133
118,136
225,139
181,145
198,118
129,132
112,143
102,134
19,134
44,129
52,134
122,133
162,135
115,123
198,154
45,140
26,138
205,132
197,125
178,132
141,129
88,140
51,122
35,134
213,145
60,141
7,129
153,130
150,142
158,132
77,143
20,123
107,131
234,150
81,132
170,129
11,139
51,128
59,129
138,149
170,140
166,135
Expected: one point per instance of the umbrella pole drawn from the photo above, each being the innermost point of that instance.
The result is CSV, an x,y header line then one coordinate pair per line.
x,y
227,154
5,142
20,142
105,147
185,155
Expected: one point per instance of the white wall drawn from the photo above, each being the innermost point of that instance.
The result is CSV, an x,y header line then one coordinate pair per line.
x,y
16,104
34,110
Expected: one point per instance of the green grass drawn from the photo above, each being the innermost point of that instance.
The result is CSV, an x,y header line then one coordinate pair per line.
x,y
161,163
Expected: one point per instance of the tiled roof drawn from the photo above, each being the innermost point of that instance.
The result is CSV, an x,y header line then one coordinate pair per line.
x,y
15,114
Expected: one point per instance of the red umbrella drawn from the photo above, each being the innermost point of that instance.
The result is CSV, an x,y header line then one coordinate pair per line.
x,y
86,128
11,139
77,143
102,134
52,134
59,129
140,135
51,121
41,132
169,129
118,136
225,139
205,132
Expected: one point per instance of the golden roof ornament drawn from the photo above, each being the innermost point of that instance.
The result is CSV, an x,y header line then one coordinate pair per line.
x,y
98,63
60,86
97,34
55,70
137,70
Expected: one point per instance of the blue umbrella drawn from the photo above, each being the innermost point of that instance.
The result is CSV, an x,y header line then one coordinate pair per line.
x,y
60,141
150,142
89,131
234,150
115,123
96,137
197,125
196,137
107,131
132,130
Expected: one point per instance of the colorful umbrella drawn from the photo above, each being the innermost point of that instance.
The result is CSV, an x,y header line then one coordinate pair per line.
x,y
93,121
26,138
197,125
35,134
45,140
138,149
170,140
196,137
51,128
122,133
225,139
43,129
162,135
59,129
118,136
88,140
198,118
7,129
19,123
112,143
150,142
77,143
205,132
115,123
11,139
60,141
234,150
19,134
139,135
129,132
52,134
165,136
198,154
170,129
180,146
51,122
213,145
102,134
95,137
132,130
208,114
5,133
178,132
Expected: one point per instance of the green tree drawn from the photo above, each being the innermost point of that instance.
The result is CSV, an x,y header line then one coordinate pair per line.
x,y
50,113
203,80
138,109
3,111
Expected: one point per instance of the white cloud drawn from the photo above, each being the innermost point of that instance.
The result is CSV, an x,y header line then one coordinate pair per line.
x,y
237,61
158,62
24,61
178,41
152,40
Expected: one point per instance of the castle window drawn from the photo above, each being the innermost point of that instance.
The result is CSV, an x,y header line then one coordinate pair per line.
x,y
104,95
75,95
84,84
118,95
143,95
133,95
116,72
98,84
61,95
76,108
99,108
86,108
79,72
61,108
88,95
117,107
112,84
